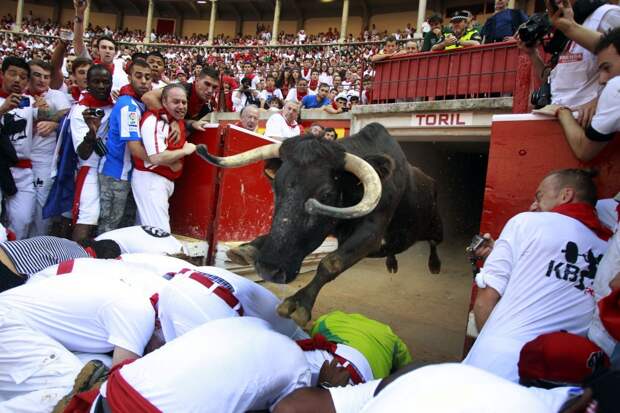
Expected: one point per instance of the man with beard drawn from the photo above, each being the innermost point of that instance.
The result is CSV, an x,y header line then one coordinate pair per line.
x,y
153,179
89,131
44,140
124,130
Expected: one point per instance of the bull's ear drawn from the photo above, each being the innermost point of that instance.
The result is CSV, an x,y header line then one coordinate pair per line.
x,y
383,164
271,167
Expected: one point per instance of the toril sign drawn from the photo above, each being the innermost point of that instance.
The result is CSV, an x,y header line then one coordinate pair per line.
x,y
442,119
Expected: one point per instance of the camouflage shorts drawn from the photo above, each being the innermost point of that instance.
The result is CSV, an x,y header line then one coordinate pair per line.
x,y
112,199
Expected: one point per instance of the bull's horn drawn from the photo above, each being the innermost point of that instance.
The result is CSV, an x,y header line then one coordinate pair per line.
x,y
372,192
242,159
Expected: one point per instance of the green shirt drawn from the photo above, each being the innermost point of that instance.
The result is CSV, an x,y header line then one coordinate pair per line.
x,y
383,349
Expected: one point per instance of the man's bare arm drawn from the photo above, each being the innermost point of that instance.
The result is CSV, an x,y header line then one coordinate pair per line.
x,y
120,354
583,148
152,99
78,28
57,59
486,300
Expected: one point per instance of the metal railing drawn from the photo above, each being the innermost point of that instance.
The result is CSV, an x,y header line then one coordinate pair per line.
x,y
482,71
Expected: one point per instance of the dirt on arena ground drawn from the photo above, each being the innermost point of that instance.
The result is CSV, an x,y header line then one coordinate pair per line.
x,y
429,312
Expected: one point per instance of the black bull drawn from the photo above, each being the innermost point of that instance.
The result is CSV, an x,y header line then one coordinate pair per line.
x,y
321,190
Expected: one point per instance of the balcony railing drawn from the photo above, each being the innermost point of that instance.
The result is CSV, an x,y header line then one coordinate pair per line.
x,y
492,70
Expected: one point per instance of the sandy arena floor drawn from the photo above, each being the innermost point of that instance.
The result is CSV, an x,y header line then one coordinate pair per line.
x,y
429,312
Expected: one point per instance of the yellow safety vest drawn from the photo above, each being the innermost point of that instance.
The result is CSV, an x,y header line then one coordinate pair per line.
x,y
467,36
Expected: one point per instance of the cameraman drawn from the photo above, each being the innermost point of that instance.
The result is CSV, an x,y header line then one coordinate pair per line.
x,y
573,80
245,95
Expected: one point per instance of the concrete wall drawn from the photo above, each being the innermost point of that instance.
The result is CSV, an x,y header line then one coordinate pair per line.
x,y
314,26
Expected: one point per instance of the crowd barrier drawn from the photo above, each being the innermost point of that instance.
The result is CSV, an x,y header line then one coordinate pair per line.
x,y
492,70
523,150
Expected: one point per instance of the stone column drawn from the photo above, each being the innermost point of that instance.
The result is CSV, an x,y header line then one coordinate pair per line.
x,y
149,22
345,21
19,15
421,16
212,22
276,22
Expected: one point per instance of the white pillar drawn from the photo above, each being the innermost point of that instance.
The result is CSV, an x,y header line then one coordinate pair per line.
x,y
212,22
19,15
421,16
149,22
276,22
345,21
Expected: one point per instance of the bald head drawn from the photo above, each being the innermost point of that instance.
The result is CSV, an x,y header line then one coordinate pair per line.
x,y
249,117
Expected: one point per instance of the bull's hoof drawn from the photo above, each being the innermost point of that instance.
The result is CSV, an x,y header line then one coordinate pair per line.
x,y
391,264
434,264
244,254
293,309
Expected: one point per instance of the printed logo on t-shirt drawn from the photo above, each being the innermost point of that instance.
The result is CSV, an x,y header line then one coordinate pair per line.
x,y
155,232
568,271
132,123
15,127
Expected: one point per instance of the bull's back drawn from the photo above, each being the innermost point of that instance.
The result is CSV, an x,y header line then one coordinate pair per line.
x,y
374,139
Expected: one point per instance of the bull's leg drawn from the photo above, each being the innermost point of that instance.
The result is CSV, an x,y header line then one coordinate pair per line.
x,y
245,254
364,240
391,264
434,263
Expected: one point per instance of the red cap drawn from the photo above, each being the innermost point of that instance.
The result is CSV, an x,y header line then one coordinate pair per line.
x,y
609,311
560,358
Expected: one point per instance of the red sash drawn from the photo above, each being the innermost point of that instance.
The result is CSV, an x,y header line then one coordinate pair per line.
x,y
586,214
79,185
319,342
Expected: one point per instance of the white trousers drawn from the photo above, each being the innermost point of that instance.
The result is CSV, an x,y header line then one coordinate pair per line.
x,y
20,207
89,199
42,186
35,370
152,192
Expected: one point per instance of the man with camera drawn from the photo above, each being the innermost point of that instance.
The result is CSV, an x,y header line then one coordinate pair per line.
x,y
540,274
572,73
586,142
245,95
89,123
18,113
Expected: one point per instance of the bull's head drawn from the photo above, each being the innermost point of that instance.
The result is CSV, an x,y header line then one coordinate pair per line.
x,y
308,176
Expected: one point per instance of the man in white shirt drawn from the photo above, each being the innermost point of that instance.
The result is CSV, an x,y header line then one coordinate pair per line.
x,y
539,277
270,91
158,64
300,91
44,140
284,125
43,322
144,239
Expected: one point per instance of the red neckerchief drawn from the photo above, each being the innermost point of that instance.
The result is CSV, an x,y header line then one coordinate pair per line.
x,y
75,92
586,214
313,84
90,101
109,67
305,72
319,342
4,94
270,90
91,252
35,94
158,114
250,76
292,124
128,90
195,104
299,95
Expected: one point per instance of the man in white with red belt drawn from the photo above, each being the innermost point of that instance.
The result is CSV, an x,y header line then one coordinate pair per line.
x,y
43,322
284,125
152,181
89,131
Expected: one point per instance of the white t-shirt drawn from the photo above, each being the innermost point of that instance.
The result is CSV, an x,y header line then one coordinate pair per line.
x,y
607,213
455,388
574,80
292,94
278,128
142,279
20,122
185,304
228,365
266,95
91,314
606,120
79,129
538,266
143,238
43,146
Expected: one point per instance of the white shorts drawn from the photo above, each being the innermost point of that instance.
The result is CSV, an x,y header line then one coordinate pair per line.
x,y
89,199
20,207
151,193
35,370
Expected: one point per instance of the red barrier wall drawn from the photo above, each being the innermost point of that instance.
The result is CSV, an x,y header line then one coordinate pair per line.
x,y
523,150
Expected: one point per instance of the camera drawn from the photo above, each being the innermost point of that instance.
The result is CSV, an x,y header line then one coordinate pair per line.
x,y
476,242
534,29
541,97
24,102
100,147
95,112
